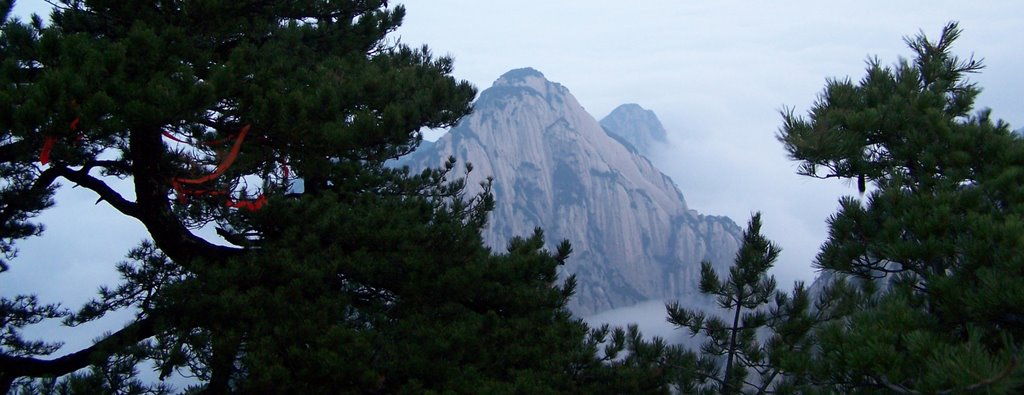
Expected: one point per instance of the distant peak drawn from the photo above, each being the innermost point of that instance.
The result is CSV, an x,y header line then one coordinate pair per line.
x,y
632,113
636,125
521,74
633,109
630,107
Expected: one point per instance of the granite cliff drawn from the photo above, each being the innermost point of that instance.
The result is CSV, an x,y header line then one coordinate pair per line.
x,y
555,167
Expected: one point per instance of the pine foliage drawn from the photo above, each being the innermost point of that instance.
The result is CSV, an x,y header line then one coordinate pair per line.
x,y
272,122
931,251
744,295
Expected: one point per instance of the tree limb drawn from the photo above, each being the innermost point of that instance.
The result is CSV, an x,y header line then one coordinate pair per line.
x,y
12,208
899,389
82,177
12,367
151,187
987,382
107,164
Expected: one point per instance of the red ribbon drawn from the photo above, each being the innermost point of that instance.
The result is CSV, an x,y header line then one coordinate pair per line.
x,y
180,184
248,204
230,159
49,141
44,155
171,136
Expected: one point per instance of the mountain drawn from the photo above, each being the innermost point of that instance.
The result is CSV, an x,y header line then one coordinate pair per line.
x,y
555,167
639,127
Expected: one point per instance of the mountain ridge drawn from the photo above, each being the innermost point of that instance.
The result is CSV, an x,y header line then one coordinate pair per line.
x,y
555,167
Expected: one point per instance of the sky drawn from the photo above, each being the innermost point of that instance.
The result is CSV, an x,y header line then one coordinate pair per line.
x,y
716,74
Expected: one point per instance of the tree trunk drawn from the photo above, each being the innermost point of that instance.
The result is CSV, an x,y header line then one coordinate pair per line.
x,y
222,364
727,381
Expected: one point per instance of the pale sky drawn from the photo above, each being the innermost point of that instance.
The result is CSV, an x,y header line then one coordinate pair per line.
x,y
716,74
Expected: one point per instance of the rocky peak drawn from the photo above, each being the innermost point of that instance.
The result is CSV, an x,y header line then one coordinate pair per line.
x,y
526,77
554,167
638,126
524,82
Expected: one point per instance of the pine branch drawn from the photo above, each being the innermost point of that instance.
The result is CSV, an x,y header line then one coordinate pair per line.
x,y
985,383
168,232
108,194
12,209
763,389
899,389
13,367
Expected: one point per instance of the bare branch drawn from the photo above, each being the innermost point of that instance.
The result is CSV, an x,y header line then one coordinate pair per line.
x,y
108,194
12,367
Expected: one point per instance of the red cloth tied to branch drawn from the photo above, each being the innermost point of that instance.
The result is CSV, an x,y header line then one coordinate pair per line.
x,y
172,137
50,141
247,204
222,167
44,155
181,185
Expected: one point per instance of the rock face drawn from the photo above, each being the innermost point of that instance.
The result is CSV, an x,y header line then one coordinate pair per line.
x,y
637,126
554,167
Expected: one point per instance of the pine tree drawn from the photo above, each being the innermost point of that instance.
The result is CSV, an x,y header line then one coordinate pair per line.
x,y
744,295
932,252
271,121
630,364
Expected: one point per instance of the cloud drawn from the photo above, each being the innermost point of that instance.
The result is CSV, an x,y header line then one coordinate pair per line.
x,y
650,317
